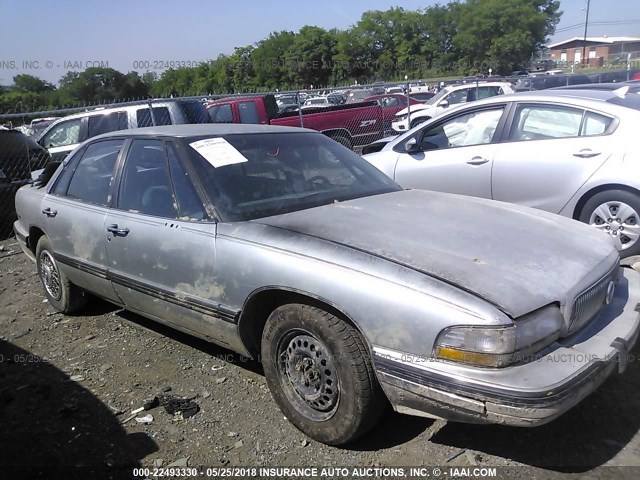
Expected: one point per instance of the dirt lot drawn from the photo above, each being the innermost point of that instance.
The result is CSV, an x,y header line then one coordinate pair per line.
x,y
68,383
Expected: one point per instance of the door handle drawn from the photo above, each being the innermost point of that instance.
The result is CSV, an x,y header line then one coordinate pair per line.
x,y
477,161
586,153
118,232
49,213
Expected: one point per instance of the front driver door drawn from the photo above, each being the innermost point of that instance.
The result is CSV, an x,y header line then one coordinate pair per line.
x,y
455,154
161,247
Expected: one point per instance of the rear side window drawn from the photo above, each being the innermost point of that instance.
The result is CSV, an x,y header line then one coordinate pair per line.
x,y
541,122
91,180
161,116
595,124
221,114
248,112
99,124
194,112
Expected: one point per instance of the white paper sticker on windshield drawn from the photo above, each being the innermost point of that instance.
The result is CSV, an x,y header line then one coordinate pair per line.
x,y
218,152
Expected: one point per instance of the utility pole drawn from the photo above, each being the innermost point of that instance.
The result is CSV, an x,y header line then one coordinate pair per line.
x,y
585,61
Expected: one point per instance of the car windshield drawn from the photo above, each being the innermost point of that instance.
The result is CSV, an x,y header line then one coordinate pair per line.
x,y
433,100
249,176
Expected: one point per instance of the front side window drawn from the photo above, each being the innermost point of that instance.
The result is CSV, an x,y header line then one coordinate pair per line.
x,y
189,205
146,184
248,112
475,128
459,96
64,133
99,124
542,122
93,175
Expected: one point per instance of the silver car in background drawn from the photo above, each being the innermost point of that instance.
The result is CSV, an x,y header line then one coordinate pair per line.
x,y
281,244
574,153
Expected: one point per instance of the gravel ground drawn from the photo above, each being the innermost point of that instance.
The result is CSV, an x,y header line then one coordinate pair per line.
x,y
68,383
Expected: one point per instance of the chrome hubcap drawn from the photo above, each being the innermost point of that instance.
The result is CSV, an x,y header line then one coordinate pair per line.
x,y
49,275
620,221
310,377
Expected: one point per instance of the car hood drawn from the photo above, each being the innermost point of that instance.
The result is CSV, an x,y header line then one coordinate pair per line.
x,y
517,258
414,108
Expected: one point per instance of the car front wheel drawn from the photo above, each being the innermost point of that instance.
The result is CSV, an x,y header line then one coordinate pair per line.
x,y
61,293
616,212
320,374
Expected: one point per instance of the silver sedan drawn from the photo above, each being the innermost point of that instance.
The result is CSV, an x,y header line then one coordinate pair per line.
x,y
283,245
574,153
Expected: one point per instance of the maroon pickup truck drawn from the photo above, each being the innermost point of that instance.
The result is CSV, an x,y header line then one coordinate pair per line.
x,y
350,124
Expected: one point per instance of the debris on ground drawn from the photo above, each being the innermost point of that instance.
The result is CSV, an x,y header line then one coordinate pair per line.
x,y
148,418
182,462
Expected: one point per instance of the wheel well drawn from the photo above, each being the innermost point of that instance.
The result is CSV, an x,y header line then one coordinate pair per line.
x,y
338,133
600,188
259,306
34,235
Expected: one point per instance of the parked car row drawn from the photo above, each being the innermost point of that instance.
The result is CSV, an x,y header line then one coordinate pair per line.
x,y
569,152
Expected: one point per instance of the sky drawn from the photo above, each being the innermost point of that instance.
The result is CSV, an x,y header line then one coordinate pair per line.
x,y
47,38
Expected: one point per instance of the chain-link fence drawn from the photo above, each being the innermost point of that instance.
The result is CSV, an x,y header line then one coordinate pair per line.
x,y
354,116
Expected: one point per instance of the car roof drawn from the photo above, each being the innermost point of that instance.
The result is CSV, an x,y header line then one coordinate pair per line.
x,y
480,83
201,130
123,106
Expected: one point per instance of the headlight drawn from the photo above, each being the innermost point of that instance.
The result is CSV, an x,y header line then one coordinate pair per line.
x,y
500,346
402,118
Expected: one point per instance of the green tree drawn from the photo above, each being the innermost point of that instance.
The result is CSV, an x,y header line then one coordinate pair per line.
x,y
502,34
28,83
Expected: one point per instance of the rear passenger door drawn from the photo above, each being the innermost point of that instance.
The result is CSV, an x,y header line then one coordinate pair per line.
x,y
160,245
549,152
74,214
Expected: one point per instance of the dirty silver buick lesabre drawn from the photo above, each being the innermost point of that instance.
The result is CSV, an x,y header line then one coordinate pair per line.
x,y
282,244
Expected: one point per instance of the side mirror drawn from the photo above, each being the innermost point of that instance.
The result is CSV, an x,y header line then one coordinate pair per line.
x,y
444,104
411,145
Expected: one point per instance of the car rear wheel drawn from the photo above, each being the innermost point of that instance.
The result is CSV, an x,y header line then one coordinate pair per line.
x,y
320,374
61,293
616,212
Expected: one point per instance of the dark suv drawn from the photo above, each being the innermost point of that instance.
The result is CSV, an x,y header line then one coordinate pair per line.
x,y
19,156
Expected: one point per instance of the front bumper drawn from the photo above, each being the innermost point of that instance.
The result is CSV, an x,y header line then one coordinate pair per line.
x,y
400,126
527,394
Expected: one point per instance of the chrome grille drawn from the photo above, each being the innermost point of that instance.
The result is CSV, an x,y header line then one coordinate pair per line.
x,y
589,303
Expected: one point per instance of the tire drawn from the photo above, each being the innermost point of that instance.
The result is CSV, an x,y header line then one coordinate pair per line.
x,y
344,141
61,293
341,399
616,205
418,121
